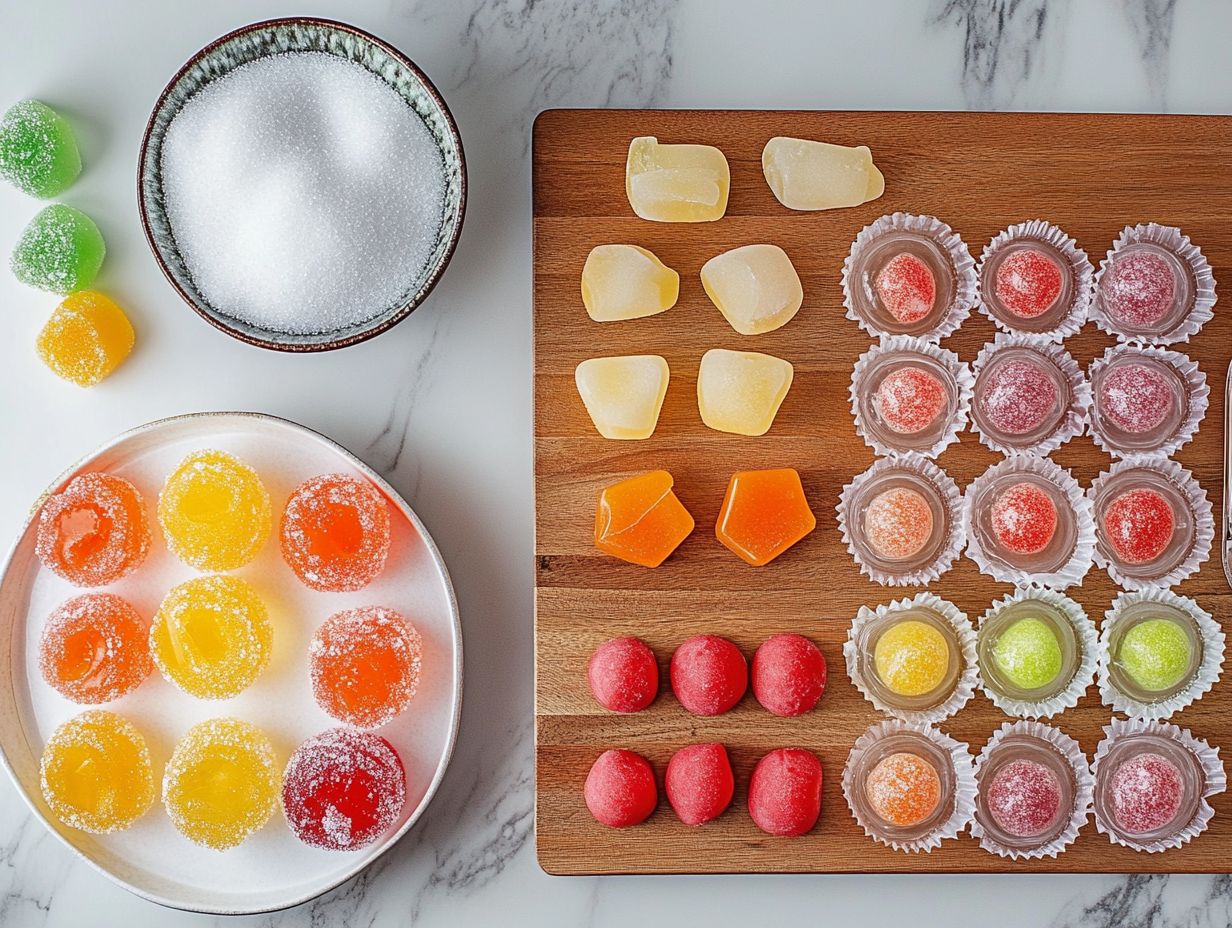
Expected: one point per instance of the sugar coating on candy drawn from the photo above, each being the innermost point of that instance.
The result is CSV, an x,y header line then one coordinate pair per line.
x,y
95,648
1028,283
1138,289
898,523
640,519
221,783
785,792
364,665
87,337
709,675
1018,397
764,513
910,399
906,288
1145,792
94,531
1024,518
342,789
60,251
620,789
623,675
699,783
789,675
1139,525
1135,397
911,657
214,511
38,152
96,774
335,533
1027,653
1024,798
903,789
1155,654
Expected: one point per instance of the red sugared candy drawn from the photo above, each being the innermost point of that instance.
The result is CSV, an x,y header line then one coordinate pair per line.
x,y
1135,398
709,675
1028,283
335,533
620,789
623,675
1024,518
94,531
1138,289
343,789
95,648
789,675
1138,525
364,665
785,792
910,399
1146,792
1024,798
906,288
699,783
1018,397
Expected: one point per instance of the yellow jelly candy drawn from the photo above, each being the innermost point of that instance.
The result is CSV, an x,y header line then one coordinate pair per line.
x,y
811,175
740,391
624,394
676,183
755,287
86,338
221,783
214,510
912,658
96,773
627,282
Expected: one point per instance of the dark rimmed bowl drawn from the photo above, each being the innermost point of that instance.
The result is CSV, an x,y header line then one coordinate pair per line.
x,y
279,36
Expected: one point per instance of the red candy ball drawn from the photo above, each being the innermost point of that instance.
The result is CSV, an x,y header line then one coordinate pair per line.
x,y
620,789
1135,398
910,399
623,675
1024,798
1138,289
906,288
335,533
1028,283
789,675
699,783
709,675
1024,518
1146,793
785,792
1138,525
1018,397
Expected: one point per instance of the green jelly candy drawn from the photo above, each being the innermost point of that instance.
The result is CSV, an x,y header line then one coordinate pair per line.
x,y
38,153
1155,654
1028,654
61,250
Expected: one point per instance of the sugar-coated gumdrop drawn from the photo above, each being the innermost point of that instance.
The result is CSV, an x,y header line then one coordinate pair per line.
x,y
755,287
623,395
343,789
676,183
94,531
38,152
699,783
741,391
640,520
214,510
212,636
221,783
912,658
808,175
910,400
1145,793
87,337
1028,283
627,282
335,533
620,789
623,675
898,523
1138,288
96,773
1135,398
785,792
906,288
365,665
709,675
1018,397
1028,654
60,250
1024,518
1139,525
903,789
95,648
1024,798
789,675
764,513
1156,654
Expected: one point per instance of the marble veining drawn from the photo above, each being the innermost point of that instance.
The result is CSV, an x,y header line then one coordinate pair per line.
x,y
1151,24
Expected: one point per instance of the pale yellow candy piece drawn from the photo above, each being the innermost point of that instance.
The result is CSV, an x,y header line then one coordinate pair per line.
x,y
741,391
623,394
755,287
808,175
676,183
627,282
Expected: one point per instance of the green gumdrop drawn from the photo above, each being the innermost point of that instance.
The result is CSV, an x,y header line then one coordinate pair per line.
x,y
38,153
1155,654
1028,654
60,250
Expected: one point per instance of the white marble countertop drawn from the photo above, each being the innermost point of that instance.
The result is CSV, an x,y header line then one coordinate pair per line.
x,y
459,446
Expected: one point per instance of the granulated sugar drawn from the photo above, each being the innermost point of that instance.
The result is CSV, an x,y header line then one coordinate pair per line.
x,y
304,194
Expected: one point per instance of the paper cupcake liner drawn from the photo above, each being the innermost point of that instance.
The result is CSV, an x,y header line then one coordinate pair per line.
x,y
1204,678
959,372
964,786
964,686
1079,562
1084,790
1175,241
1081,271
1084,673
951,498
966,283
1215,780
1204,520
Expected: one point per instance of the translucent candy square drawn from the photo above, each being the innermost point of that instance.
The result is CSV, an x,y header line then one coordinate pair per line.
x,y
627,282
623,394
764,513
755,287
808,175
741,391
640,520
86,338
38,153
60,250
676,183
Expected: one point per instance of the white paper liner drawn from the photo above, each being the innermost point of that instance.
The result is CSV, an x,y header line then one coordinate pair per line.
x,y
1208,759
1204,520
1084,790
964,785
1072,423
964,633
966,283
1069,573
1204,678
1186,369
947,554
1088,658
958,370
1175,241
1082,273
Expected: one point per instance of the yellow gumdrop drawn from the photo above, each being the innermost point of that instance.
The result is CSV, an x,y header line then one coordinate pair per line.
x,y
87,337
623,394
676,183
755,287
215,511
741,391
627,282
912,658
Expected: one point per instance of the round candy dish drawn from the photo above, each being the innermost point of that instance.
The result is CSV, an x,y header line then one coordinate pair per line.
x,y
1037,652
1153,781
1145,400
909,275
1159,653
908,394
1035,279
1034,791
1154,287
901,520
1153,522
1027,522
909,785
913,658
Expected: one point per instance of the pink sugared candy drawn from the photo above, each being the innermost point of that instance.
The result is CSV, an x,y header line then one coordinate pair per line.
x,y
785,792
910,399
1024,518
1018,397
699,783
1138,289
623,675
620,789
789,675
1139,525
1145,792
1028,283
1135,398
1024,798
906,288
709,675
898,523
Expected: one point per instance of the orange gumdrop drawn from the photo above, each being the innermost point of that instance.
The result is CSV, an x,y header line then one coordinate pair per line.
x,y
94,531
335,533
364,665
764,514
95,648
640,520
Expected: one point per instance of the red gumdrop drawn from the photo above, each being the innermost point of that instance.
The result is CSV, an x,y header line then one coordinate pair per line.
x,y
1028,283
910,399
1024,518
789,675
623,675
906,288
620,789
709,675
1139,525
785,792
699,783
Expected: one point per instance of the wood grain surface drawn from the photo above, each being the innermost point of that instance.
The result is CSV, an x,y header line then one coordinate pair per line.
x,y
1090,174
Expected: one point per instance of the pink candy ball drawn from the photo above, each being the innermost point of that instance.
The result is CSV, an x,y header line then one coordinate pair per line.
x,y
620,789
1138,289
1145,793
699,783
1135,398
623,675
785,792
709,675
1018,397
910,399
789,675
1024,798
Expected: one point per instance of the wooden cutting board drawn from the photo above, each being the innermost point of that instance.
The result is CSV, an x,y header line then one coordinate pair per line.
x,y
980,172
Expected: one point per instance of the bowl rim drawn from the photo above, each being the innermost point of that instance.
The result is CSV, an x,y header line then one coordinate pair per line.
x,y
433,278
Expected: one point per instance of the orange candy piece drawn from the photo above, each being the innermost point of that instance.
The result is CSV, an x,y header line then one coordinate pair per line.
x,y
640,520
95,648
764,513
364,665
94,531
335,533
